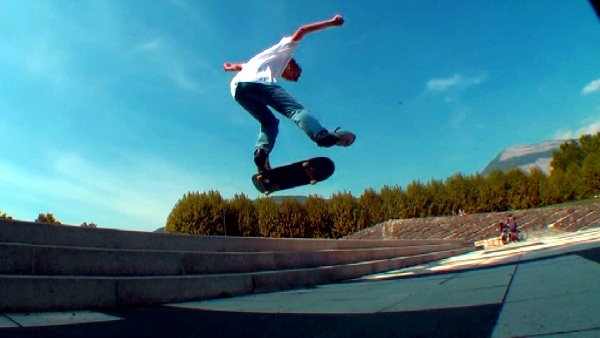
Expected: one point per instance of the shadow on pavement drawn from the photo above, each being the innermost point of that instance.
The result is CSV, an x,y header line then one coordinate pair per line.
x,y
476,321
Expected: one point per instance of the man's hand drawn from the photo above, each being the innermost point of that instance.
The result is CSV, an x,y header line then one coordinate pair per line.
x,y
231,67
337,20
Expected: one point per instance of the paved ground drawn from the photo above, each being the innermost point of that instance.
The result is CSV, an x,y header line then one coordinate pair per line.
x,y
541,288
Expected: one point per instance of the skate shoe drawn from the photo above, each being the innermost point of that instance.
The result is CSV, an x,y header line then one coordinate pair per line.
x,y
337,137
261,159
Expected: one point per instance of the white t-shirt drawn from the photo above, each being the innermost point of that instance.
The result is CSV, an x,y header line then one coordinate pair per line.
x,y
268,65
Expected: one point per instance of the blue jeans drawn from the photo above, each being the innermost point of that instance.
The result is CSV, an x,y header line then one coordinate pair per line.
x,y
256,97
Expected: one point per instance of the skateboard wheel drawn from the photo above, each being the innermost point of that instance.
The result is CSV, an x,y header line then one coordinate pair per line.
x,y
306,164
262,179
313,182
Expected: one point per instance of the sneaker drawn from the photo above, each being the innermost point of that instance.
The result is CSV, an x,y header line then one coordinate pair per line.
x,y
337,137
261,159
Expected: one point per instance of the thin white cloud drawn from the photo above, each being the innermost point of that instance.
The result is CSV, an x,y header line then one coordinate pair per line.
x,y
178,74
43,60
166,57
443,84
138,195
456,81
150,45
589,127
459,119
591,87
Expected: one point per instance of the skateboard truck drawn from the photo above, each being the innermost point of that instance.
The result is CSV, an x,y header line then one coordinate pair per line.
x,y
265,181
310,171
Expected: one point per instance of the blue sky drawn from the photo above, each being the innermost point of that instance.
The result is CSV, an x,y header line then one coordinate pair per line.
x,y
110,111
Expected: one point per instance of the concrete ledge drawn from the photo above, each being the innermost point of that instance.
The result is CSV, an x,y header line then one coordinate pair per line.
x,y
48,260
51,293
16,259
32,293
290,279
12,231
158,290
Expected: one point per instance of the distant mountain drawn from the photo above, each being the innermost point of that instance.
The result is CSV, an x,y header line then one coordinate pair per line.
x,y
280,199
525,157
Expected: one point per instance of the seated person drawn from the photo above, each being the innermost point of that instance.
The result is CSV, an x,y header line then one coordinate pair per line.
x,y
502,226
513,227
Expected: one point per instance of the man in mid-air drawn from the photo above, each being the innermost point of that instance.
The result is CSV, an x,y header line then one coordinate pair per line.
x,y
255,88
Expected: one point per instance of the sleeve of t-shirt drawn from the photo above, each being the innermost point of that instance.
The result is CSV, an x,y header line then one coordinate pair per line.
x,y
283,44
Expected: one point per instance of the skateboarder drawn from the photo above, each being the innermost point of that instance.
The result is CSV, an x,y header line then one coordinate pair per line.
x,y
255,88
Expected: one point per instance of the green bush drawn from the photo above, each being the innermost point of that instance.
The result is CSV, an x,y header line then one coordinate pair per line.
x,y
591,175
240,217
395,201
198,213
4,215
343,208
371,209
318,217
47,218
267,213
292,218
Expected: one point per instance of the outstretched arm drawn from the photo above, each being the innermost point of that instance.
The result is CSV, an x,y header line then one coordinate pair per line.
x,y
315,26
233,67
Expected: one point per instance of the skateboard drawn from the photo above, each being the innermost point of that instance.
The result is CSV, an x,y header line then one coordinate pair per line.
x,y
293,175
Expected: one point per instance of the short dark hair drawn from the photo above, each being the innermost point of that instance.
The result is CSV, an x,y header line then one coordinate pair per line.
x,y
295,63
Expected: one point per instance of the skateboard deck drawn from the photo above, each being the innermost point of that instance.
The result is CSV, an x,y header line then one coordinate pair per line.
x,y
293,175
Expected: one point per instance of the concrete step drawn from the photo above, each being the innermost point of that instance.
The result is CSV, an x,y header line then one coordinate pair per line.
x,y
27,259
12,231
45,267
23,293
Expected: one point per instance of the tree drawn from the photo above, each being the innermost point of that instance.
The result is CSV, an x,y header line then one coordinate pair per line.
x,y
47,218
590,144
552,192
497,197
343,210
518,185
575,170
569,153
371,209
419,199
240,216
440,203
461,193
318,217
292,217
198,213
267,214
573,184
395,202
537,181
4,215
590,174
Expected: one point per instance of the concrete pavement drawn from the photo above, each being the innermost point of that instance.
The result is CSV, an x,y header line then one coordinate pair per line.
x,y
545,287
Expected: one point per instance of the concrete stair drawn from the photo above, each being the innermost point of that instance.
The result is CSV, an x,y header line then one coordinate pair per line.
x,y
46,267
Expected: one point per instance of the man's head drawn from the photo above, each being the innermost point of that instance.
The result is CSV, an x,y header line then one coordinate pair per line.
x,y
292,71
